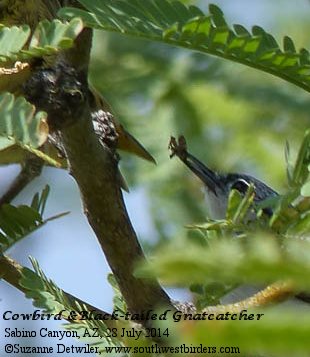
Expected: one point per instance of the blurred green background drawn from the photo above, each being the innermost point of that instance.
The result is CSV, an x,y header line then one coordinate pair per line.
x,y
234,118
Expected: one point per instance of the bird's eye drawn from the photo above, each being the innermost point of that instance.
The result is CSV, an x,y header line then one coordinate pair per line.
x,y
241,185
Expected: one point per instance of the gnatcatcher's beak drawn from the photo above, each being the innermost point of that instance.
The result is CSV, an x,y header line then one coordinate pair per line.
x,y
210,178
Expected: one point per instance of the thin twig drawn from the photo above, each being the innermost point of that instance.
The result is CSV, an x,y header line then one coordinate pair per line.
x,y
31,168
272,294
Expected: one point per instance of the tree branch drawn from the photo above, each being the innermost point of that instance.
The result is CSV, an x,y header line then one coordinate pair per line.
x,y
95,171
92,165
31,168
62,91
273,293
12,272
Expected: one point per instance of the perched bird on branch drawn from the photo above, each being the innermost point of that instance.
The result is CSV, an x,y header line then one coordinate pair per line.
x,y
17,12
14,78
217,188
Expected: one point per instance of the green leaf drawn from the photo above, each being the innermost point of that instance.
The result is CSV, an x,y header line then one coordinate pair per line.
x,y
211,225
289,166
20,123
49,297
245,205
49,38
261,260
234,201
22,126
209,294
39,201
118,299
305,189
301,172
12,40
288,45
238,207
186,26
43,199
272,333
18,222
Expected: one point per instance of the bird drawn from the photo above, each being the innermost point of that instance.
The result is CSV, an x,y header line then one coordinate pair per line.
x,y
17,12
101,113
16,76
103,120
218,186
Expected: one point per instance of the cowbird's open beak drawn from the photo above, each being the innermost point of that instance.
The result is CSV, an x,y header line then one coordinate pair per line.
x,y
128,143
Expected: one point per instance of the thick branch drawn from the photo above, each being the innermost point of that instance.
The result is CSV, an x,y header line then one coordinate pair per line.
x,y
62,92
95,171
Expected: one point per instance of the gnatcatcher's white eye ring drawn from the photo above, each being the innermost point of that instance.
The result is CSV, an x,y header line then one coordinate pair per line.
x,y
240,185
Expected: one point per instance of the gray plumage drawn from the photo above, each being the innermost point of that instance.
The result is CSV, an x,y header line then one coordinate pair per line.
x,y
218,186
